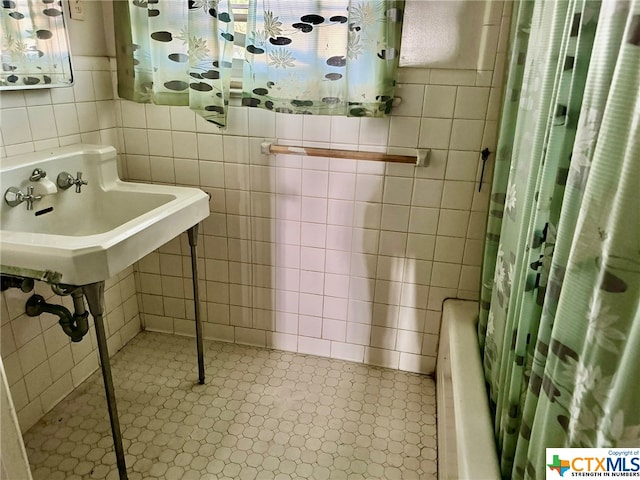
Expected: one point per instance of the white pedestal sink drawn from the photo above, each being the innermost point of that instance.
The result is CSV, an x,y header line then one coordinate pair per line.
x,y
89,236
66,218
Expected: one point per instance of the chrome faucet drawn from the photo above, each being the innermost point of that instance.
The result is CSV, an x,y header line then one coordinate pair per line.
x,y
65,180
37,174
13,196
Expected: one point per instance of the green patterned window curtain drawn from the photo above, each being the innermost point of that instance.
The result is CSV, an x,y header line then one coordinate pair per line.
x,y
176,53
35,52
560,308
326,57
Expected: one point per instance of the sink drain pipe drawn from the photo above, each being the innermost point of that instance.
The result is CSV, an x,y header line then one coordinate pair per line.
x,y
74,325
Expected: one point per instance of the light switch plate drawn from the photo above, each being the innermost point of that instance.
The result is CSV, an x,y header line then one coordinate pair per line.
x,y
76,8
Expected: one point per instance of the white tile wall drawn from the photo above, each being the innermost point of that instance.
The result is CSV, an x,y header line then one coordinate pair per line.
x,y
43,365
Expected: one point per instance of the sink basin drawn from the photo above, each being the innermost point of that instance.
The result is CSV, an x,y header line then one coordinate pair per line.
x,y
82,238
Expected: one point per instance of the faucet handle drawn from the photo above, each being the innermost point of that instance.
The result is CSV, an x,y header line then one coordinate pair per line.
x,y
13,196
65,180
79,182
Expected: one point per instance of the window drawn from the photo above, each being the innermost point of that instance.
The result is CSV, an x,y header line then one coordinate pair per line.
x,y
240,10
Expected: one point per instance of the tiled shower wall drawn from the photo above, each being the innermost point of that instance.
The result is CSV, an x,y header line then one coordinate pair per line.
x,y
41,363
340,258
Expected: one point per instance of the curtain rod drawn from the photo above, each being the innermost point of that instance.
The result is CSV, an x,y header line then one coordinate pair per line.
x,y
419,160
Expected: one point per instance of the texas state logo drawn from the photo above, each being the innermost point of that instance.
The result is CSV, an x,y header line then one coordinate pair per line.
x,y
592,462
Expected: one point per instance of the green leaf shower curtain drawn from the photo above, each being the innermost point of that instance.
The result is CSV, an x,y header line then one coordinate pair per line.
x,y
325,57
560,308
176,53
34,52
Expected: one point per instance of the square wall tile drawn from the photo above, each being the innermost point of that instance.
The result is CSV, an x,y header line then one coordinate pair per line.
x,y
313,234
334,329
423,220
38,380
262,123
397,190
374,131
457,195
347,351
43,124
412,98
316,128
427,192
358,333
288,181
469,278
237,121
369,188
409,341
314,346
15,125
462,165
383,337
420,247
439,101
367,215
339,238
182,119
392,244
309,326
342,185
404,132
340,212
449,249
83,86
32,354
158,116
133,115
336,285
187,172
473,252
160,143
381,357
414,295
66,120
435,133
315,183
363,265
385,315
289,126
446,275
345,130
390,268
395,218
312,282
185,144
471,102
417,271
58,95
337,262
362,311
210,147
453,223
466,135
314,209
312,259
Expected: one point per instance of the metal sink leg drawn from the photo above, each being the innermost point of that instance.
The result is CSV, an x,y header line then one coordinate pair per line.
x,y
95,298
193,244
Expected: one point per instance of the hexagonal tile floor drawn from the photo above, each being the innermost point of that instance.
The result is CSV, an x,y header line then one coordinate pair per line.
x,y
262,414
